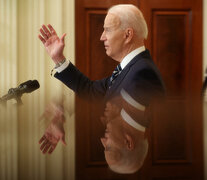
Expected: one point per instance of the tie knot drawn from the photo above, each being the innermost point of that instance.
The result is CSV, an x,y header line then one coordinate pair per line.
x,y
118,68
115,73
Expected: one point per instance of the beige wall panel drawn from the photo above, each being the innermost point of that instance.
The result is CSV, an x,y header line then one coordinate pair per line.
x,y
8,79
23,58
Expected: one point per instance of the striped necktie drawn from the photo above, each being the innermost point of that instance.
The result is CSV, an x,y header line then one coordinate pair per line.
x,y
115,74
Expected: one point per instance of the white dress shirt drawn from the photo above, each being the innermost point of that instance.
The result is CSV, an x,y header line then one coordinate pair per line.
x,y
131,55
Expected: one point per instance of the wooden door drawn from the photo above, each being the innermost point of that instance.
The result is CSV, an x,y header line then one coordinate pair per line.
x,y
175,42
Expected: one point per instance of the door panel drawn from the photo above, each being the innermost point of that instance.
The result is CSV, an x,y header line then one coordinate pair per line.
x,y
175,135
172,43
173,32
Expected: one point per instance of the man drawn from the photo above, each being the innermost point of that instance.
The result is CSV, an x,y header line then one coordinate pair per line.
x,y
124,33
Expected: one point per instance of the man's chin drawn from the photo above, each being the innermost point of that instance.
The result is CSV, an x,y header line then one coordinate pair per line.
x,y
108,53
110,159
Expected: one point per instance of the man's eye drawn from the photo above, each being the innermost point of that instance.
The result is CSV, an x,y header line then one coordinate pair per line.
x,y
107,30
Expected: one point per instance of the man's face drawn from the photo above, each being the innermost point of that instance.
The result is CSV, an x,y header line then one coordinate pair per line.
x,y
113,141
113,37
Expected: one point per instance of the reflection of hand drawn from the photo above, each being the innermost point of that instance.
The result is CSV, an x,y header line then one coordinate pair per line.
x,y
53,44
55,131
111,112
51,137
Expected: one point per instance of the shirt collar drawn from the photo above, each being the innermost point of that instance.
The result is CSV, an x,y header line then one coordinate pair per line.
x,y
131,55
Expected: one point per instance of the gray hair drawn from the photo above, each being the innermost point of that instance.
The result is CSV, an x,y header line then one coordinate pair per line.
x,y
131,161
131,16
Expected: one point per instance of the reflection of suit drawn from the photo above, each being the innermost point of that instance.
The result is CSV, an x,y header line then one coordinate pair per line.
x,y
140,78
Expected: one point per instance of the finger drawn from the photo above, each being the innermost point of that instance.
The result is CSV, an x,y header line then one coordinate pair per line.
x,y
46,30
63,37
51,29
42,139
43,34
44,144
46,148
42,147
42,39
52,148
63,140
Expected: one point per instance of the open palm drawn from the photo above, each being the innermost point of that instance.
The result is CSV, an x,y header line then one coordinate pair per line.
x,y
55,130
53,44
53,134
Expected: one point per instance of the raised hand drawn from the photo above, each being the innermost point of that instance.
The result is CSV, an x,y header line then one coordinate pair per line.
x,y
53,44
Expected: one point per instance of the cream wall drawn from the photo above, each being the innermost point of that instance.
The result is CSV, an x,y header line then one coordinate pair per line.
x,y
22,57
8,77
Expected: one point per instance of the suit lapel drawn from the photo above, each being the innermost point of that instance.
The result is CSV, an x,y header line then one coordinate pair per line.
x,y
124,72
119,79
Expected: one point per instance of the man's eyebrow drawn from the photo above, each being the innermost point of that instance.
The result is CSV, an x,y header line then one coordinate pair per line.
x,y
105,27
108,26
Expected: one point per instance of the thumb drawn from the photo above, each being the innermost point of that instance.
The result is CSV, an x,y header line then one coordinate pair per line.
x,y
63,37
63,140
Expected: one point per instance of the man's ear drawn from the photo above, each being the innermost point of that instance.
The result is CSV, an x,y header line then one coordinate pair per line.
x,y
129,142
129,33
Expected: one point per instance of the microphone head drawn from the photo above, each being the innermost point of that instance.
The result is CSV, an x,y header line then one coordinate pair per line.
x,y
29,86
24,83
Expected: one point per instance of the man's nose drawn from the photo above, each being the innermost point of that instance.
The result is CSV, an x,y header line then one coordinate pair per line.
x,y
103,37
103,141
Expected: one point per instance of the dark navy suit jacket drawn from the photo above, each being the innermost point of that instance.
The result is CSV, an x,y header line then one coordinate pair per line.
x,y
140,78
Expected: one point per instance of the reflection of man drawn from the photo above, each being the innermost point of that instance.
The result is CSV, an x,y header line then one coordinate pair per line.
x,y
125,143
124,32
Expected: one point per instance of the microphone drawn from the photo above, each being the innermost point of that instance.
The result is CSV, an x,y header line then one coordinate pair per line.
x,y
26,87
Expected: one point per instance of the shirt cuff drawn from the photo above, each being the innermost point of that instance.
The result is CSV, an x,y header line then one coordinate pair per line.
x,y
62,66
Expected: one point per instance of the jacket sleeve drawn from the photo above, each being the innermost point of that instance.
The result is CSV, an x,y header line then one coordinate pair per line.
x,y
81,84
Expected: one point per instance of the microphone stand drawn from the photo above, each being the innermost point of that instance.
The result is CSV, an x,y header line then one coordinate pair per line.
x,y
19,101
16,96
